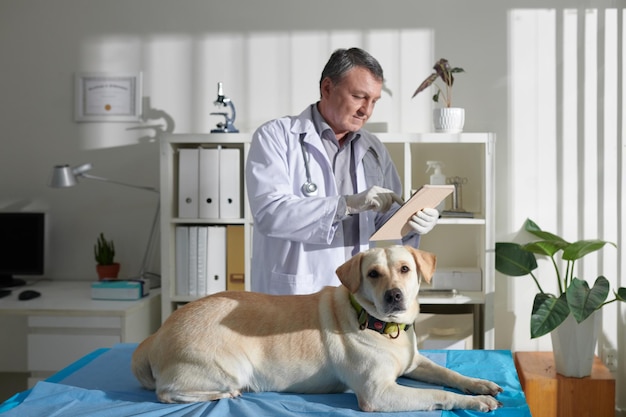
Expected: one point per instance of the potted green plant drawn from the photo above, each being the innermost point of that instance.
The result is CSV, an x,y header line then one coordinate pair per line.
x,y
573,305
446,118
104,253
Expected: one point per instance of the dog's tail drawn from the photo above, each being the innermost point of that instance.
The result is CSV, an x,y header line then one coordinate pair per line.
x,y
140,364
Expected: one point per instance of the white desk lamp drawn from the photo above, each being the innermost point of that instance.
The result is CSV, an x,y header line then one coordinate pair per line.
x,y
64,176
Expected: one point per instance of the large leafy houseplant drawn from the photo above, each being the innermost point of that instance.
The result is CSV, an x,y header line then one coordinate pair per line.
x,y
574,295
444,71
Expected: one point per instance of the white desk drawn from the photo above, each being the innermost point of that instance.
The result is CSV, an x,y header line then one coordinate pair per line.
x,y
64,323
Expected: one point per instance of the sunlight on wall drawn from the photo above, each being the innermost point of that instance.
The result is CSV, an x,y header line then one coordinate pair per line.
x,y
265,74
533,145
169,68
568,173
564,105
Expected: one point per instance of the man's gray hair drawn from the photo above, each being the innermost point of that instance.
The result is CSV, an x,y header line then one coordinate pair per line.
x,y
343,60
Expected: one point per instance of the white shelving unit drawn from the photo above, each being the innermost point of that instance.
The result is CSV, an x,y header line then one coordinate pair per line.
x,y
457,242
170,144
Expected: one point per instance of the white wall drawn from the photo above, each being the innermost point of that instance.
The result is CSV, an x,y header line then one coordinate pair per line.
x,y
263,54
269,55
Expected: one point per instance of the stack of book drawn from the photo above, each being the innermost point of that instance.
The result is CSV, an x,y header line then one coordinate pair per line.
x,y
117,289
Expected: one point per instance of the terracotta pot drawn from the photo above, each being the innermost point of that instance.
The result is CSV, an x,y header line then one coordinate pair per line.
x,y
108,271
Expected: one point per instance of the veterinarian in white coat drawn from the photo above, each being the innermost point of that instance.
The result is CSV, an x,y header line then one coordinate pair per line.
x,y
319,185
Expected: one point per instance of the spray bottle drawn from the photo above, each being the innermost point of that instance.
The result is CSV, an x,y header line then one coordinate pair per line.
x,y
437,178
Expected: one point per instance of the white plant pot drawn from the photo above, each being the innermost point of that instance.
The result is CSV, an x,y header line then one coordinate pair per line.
x,y
449,119
574,345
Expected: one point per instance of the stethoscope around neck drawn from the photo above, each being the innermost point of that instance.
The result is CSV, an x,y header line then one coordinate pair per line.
x,y
309,188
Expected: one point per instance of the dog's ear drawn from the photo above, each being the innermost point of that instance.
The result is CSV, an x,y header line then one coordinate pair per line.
x,y
350,273
425,261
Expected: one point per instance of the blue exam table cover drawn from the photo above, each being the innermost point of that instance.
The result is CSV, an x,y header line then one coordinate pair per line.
x,y
102,385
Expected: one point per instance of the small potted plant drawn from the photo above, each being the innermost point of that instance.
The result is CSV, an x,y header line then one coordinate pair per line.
x,y
446,118
104,253
573,309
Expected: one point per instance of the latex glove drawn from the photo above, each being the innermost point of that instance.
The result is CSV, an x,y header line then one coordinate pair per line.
x,y
375,198
424,220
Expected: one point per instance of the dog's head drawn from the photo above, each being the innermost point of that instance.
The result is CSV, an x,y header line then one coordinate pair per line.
x,y
386,281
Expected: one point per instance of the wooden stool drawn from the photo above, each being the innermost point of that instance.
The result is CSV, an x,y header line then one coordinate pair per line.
x,y
552,395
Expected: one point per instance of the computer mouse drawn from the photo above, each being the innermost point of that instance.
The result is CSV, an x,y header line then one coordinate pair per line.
x,y
28,295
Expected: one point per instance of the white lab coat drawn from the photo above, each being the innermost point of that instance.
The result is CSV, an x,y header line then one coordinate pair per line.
x,y
297,246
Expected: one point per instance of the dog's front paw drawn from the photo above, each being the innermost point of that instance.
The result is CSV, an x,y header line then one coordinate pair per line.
x,y
482,386
484,403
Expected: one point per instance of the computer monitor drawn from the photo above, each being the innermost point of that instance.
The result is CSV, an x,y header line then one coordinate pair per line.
x,y
22,246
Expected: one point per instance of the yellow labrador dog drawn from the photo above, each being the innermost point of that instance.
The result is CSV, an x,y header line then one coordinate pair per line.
x,y
357,336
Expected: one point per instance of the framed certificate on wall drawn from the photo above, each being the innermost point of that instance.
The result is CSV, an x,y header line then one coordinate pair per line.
x,y
108,97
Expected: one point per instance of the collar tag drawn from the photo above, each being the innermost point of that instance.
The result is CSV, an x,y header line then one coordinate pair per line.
x,y
372,323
